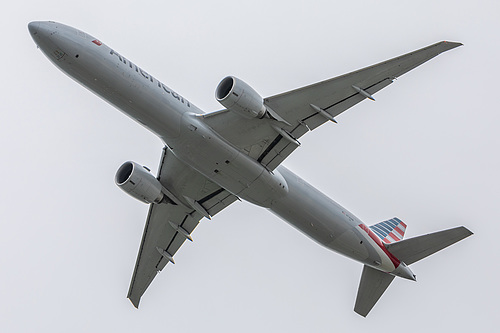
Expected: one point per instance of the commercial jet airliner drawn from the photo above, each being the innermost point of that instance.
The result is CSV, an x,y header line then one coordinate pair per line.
x,y
212,159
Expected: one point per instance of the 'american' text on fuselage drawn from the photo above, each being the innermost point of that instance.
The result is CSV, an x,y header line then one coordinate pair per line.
x,y
150,78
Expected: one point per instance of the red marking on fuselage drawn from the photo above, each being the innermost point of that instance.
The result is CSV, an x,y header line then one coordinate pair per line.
x,y
97,42
395,261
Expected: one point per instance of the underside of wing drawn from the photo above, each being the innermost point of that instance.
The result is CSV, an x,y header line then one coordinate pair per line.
x,y
169,225
372,285
271,141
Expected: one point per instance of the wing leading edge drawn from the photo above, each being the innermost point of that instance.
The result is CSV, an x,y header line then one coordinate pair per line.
x,y
306,108
167,225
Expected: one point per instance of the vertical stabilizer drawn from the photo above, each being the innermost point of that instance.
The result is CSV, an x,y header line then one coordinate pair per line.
x,y
372,285
390,231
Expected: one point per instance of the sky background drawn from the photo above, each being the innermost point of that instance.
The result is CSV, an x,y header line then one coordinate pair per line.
x,y
426,151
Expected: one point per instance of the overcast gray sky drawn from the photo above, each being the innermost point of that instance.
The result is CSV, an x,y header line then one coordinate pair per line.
x,y
425,151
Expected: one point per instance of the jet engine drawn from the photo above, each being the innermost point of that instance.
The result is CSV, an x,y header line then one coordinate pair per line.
x,y
138,182
237,96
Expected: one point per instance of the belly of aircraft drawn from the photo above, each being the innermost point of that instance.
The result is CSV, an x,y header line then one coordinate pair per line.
x,y
350,244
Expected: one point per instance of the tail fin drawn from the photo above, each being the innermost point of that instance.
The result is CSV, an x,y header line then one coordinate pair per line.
x,y
373,282
390,231
414,249
372,285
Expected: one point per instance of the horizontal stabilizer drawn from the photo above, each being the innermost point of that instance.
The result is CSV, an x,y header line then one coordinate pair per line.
x,y
414,249
372,285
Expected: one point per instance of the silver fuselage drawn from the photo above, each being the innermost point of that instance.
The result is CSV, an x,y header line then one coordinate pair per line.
x,y
180,125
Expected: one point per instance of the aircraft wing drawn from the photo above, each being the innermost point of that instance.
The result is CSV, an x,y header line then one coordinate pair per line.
x,y
169,225
271,141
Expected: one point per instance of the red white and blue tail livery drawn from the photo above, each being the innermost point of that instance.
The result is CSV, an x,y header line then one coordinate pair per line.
x,y
390,231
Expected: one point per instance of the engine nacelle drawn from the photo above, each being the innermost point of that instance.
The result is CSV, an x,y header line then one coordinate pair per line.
x,y
239,97
135,180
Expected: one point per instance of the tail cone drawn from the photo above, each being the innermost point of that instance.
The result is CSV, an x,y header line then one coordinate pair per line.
x,y
404,272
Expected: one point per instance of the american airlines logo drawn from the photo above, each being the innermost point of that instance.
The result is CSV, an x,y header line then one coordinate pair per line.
x,y
149,77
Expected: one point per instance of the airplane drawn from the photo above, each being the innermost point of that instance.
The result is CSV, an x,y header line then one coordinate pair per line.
x,y
211,160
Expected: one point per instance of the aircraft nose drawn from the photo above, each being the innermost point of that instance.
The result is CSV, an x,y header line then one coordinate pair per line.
x,y
55,40
33,27
45,35
41,30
